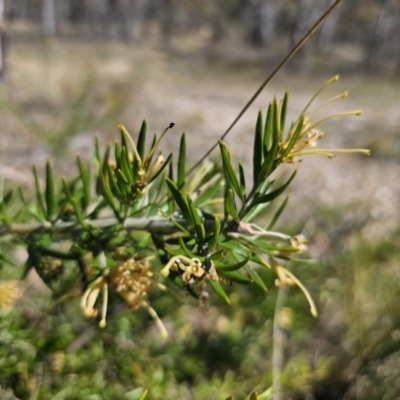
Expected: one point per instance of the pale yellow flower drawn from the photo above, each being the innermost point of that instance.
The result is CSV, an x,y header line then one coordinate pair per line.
x,y
133,280
310,134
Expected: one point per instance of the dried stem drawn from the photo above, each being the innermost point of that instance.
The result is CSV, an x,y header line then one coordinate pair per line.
x,y
152,225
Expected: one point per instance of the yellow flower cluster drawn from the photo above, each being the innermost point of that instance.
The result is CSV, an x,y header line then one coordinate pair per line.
x,y
306,142
133,280
191,268
10,291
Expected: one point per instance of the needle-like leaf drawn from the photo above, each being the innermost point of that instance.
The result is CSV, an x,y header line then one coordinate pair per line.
x,y
257,148
182,162
274,194
51,201
219,290
181,202
229,172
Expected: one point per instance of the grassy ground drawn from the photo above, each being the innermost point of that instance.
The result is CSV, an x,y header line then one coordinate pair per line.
x,y
60,94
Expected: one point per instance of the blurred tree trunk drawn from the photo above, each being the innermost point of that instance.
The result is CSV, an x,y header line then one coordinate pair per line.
x,y
138,14
16,9
308,12
2,42
263,21
49,17
166,15
304,9
328,29
385,35
76,10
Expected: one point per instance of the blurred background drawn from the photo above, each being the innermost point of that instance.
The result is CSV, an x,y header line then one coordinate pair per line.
x,y
72,69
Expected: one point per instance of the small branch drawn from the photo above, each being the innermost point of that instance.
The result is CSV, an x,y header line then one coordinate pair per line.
x,y
152,225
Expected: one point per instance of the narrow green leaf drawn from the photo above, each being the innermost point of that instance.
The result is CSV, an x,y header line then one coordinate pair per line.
x,y
106,191
27,205
208,194
274,194
85,178
39,195
7,198
29,263
242,181
257,148
268,131
121,178
255,278
251,213
276,129
72,201
230,206
198,223
179,282
161,169
106,159
182,162
306,261
217,230
273,136
217,256
51,201
135,170
141,143
21,195
264,187
269,161
117,154
228,169
236,247
266,246
284,108
294,138
278,213
254,396
173,221
181,202
144,395
126,166
124,141
219,290
136,394
115,189
127,139
144,241
170,200
267,395
3,212
97,149
231,267
234,276
182,244
259,260
182,252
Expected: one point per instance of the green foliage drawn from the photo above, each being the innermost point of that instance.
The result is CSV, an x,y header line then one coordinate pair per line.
x,y
93,225
197,243
105,233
